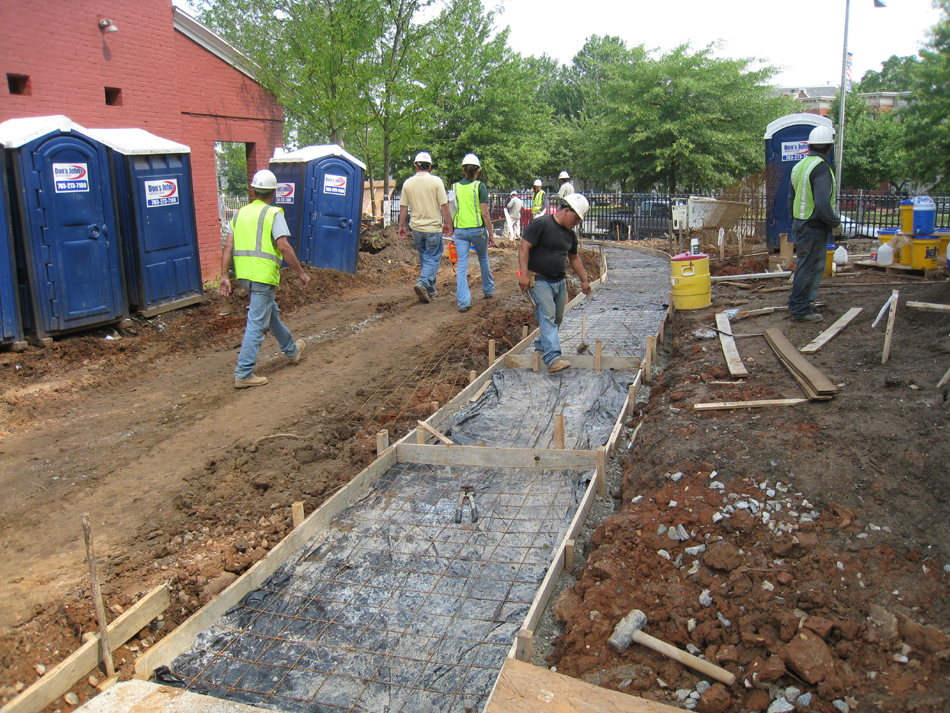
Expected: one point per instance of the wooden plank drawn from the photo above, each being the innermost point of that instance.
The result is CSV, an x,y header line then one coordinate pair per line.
x,y
523,688
728,344
890,328
833,331
426,427
799,363
488,457
944,380
179,640
724,405
559,431
58,680
602,472
929,307
478,394
884,308
578,361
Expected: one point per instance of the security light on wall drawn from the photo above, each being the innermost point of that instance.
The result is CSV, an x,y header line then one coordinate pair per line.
x,y
107,26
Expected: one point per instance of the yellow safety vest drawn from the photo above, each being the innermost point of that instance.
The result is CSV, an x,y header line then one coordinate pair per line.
x,y
256,257
537,203
470,214
804,204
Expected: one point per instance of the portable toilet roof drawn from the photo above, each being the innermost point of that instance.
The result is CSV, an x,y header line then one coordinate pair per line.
x,y
15,133
132,142
311,153
796,120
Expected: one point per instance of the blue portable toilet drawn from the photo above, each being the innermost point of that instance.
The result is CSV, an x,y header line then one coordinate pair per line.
x,y
63,218
11,331
320,189
786,143
156,208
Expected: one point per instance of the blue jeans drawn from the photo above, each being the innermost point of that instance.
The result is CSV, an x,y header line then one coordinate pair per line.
x,y
429,246
465,237
811,247
549,300
263,314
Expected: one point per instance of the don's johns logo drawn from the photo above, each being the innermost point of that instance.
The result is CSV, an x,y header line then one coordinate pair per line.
x,y
71,177
285,193
161,193
334,184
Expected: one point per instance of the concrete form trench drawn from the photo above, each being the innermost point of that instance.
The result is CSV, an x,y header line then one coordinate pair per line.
x,y
380,601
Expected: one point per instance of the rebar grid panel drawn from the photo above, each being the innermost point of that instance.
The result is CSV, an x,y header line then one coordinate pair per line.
x,y
397,608
622,313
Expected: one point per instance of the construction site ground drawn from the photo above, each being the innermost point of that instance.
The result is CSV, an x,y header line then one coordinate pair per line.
x,y
189,482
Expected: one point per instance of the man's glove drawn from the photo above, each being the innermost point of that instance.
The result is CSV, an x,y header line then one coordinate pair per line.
x,y
837,231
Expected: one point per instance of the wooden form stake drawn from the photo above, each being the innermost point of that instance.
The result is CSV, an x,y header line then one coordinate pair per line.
x,y
602,471
569,555
420,436
434,406
598,351
559,431
491,351
297,512
536,361
472,375
647,365
105,650
524,331
525,645
426,427
382,441
890,327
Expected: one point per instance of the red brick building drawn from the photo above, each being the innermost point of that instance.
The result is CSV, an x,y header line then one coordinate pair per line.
x,y
144,64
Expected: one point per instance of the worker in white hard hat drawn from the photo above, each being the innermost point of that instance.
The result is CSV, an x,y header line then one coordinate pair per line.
x,y
567,188
514,208
473,229
539,202
424,194
549,243
815,222
257,242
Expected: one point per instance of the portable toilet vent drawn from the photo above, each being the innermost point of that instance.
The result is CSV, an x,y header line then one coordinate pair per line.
x,y
320,189
786,143
63,218
156,208
11,330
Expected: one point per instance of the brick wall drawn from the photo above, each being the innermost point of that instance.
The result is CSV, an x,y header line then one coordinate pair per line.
x,y
170,86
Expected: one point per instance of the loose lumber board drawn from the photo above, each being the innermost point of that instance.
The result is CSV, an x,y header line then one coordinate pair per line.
x,y
929,307
724,405
833,331
799,367
57,681
523,688
728,344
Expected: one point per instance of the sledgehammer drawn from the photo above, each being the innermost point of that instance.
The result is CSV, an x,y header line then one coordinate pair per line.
x,y
629,630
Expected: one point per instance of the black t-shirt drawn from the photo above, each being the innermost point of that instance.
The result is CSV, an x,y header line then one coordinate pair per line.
x,y
551,243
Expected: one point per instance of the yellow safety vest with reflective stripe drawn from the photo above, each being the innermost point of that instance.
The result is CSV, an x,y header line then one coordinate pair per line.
x,y
470,214
256,257
804,204
537,203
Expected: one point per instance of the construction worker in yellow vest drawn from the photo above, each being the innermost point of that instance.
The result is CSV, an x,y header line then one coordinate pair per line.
x,y
814,221
473,229
257,241
539,202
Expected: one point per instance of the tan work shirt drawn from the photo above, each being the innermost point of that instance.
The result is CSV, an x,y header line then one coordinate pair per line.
x,y
425,196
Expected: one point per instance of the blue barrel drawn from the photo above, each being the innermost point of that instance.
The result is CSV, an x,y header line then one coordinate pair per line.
x,y
156,208
786,143
11,331
64,226
320,189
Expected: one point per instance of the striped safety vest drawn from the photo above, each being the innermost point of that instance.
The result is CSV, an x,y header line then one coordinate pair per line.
x,y
804,204
256,257
469,214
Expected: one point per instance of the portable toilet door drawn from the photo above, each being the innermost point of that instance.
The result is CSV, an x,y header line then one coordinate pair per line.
x,y
786,143
156,208
11,330
331,205
290,182
66,224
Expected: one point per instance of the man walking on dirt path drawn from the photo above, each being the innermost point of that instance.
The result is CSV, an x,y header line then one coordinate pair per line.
x,y
514,208
539,202
425,195
814,222
548,244
257,241
567,188
472,230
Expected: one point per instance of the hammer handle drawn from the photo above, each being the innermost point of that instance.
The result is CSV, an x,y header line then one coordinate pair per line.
x,y
687,659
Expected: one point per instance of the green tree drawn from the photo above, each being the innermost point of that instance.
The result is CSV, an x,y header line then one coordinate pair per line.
x,y
897,75
874,150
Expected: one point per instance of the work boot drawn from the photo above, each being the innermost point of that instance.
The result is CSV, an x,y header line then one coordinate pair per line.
x,y
558,365
487,296
250,381
301,345
465,309
813,317
422,292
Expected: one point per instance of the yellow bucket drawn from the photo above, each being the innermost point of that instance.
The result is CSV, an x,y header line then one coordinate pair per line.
x,y
829,261
943,235
923,252
692,288
905,251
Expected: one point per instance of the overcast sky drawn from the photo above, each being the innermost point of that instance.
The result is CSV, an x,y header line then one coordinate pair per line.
x,y
781,33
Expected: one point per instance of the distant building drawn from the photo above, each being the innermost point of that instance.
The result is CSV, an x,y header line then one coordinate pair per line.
x,y
143,64
817,100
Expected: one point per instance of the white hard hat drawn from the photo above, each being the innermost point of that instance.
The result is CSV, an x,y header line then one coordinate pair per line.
x,y
423,157
537,182
471,160
564,174
821,135
265,180
514,193
578,203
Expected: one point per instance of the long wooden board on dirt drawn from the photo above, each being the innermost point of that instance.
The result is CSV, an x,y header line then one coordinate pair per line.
x,y
816,385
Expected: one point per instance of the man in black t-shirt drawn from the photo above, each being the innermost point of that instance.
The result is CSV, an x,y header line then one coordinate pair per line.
x,y
549,243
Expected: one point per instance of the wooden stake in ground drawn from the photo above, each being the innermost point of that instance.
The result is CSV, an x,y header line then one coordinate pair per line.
x,y
105,650
890,328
